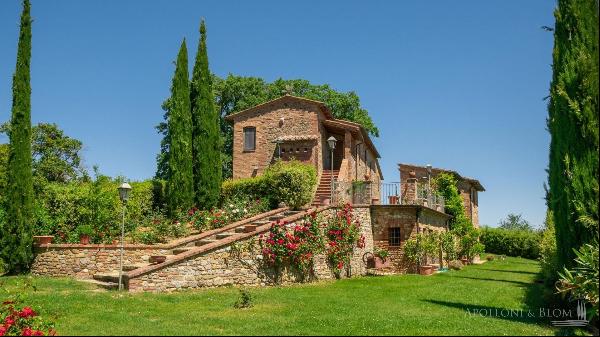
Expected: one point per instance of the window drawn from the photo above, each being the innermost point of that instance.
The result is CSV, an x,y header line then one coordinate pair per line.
x,y
249,139
394,236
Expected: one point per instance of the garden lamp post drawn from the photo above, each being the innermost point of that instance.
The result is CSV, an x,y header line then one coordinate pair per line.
x,y
429,181
124,190
331,142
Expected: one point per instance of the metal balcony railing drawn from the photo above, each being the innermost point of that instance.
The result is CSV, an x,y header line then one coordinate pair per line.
x,y
395,193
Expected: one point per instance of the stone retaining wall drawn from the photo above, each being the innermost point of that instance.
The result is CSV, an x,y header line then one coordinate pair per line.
x,y
233,266
83,261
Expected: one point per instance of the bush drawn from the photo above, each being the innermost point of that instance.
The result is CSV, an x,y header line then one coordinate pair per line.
x,y
247,188
291,182
582,281
61,208
244,301
521,243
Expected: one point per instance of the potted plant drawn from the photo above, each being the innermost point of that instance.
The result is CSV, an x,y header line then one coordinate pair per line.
x,y
43,239
426,269
381,258
85,231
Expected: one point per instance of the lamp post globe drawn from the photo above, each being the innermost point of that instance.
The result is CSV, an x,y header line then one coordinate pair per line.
x,y
124,190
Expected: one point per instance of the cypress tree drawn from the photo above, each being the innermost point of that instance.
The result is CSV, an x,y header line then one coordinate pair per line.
x,y
206,131
16,233
180,188
573,127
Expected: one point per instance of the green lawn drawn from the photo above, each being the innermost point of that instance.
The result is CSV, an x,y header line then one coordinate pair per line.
x,y
391,305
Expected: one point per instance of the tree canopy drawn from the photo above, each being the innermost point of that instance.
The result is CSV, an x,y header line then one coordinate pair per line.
x,y
515,222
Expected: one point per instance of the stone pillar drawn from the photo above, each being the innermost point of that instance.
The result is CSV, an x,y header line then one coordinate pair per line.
x,y
409,190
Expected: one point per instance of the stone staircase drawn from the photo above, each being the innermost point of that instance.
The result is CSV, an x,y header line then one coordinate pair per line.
x,y
324,188
202,243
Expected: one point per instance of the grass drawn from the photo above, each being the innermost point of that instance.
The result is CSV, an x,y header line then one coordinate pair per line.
x,y
391,305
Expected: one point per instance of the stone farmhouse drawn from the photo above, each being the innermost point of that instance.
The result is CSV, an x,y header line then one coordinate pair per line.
x,y
284,128
295,127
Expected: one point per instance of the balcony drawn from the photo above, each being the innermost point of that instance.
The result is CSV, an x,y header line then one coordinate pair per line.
x,y
395,193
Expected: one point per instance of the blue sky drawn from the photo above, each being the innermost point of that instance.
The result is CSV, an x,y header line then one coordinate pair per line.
x,y
459,85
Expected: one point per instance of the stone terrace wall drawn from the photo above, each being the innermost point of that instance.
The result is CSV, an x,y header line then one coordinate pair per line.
x,y
404,217
83,261
227,266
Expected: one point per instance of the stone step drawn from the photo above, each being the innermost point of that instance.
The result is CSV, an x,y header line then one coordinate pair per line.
x,y
288,213
223,235
107,277
261,222
130,267
102,284
204,242
276,217
246,229
178,251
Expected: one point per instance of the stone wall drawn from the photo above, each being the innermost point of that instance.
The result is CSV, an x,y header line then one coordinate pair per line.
x,y
278,119
410,219
468,192
233,266
83,261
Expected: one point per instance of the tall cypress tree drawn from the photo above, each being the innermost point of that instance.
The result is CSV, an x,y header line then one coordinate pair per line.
x,y
573,126
16,234
180,188
206,133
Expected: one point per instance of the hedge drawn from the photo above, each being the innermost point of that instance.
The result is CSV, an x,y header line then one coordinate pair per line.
x,y
61,208
521,243
289,182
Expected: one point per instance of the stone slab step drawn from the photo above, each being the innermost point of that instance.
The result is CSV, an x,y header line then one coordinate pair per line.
x,y
223,235
178,251
288,213
276,217
107,277
204,242
261,222
102,284
130,267
246,229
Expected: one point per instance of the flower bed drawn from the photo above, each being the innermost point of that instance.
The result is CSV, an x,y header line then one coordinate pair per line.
x,y
19,320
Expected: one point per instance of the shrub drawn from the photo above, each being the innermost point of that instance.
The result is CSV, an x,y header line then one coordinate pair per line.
x,y
294,246
255,188
291,182
342,235
382,253
448,243
61,208
582,281
511,242
469,245
244,301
